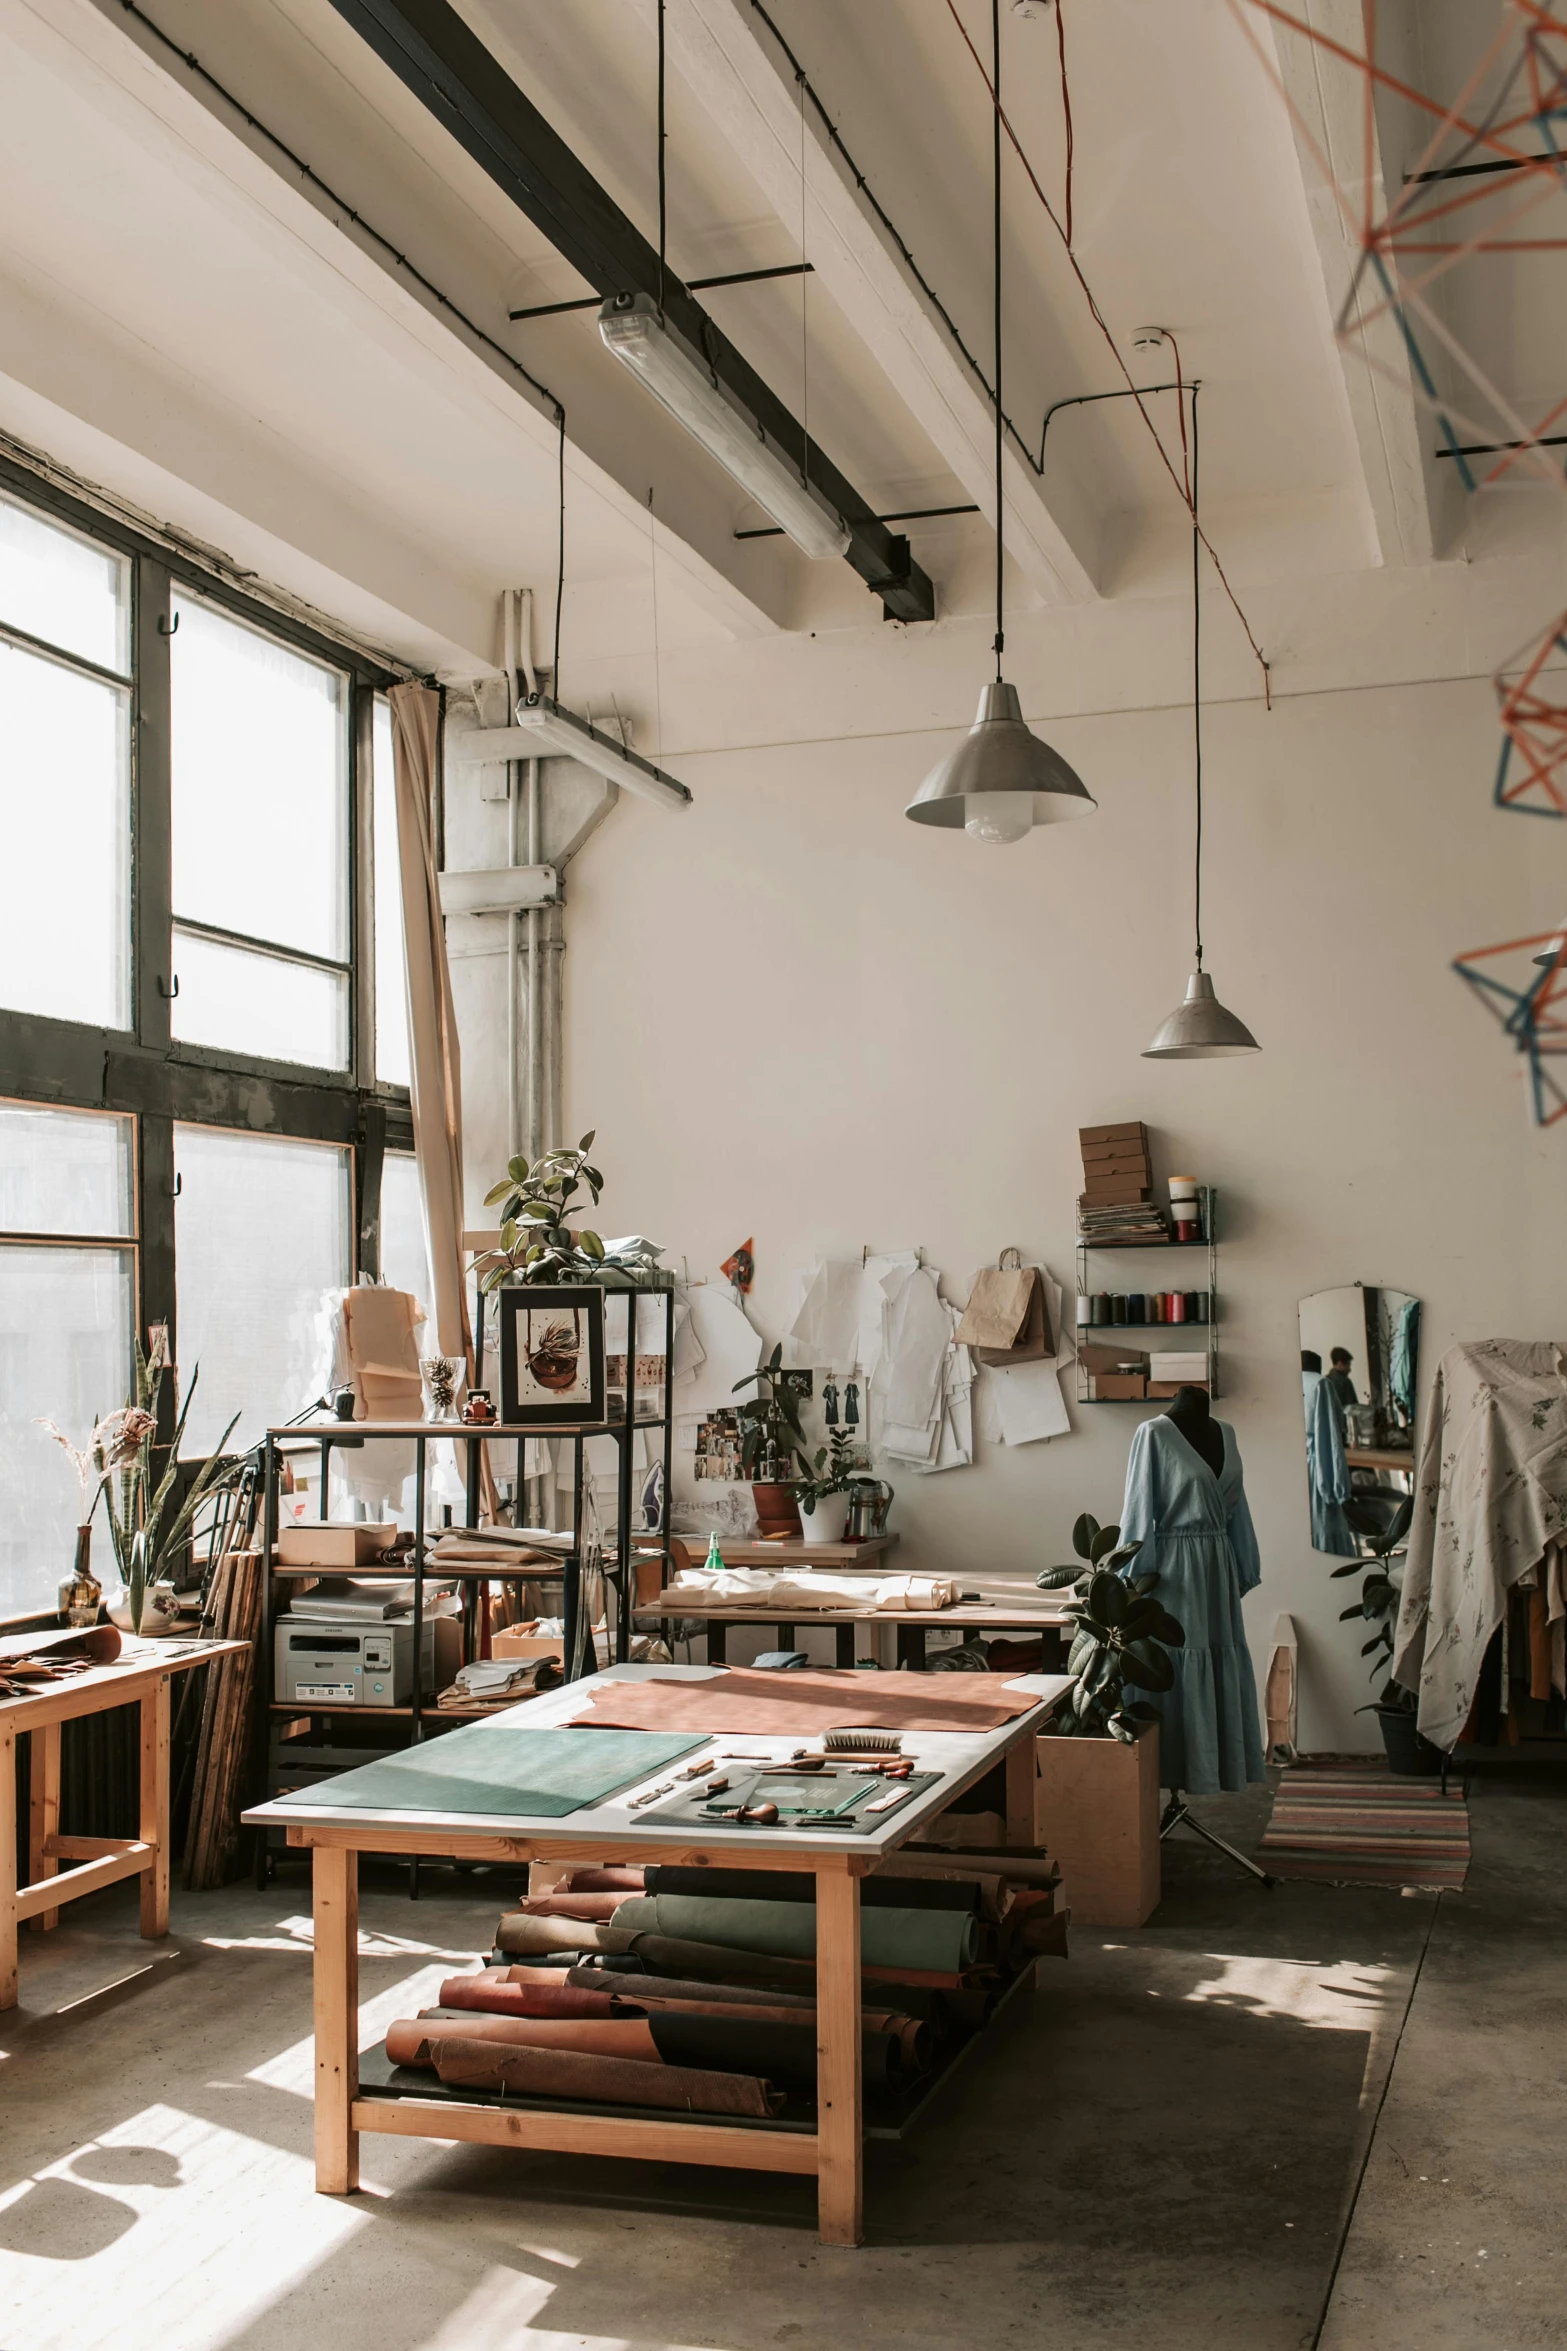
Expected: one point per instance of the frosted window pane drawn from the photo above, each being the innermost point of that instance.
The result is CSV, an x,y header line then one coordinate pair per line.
x,y
260,785
65,1354
63,589
61,1172
405,1261
252,1003
392,1066
261,1230
65,825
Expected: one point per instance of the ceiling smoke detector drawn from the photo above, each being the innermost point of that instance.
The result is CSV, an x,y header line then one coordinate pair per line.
x,y
1029,9
1149,338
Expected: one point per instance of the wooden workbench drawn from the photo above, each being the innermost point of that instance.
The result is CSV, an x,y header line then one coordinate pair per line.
x,y
611,1831
989,1615
140,1675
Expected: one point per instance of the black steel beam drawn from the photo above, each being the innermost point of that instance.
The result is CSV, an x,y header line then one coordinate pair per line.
x,y
436,56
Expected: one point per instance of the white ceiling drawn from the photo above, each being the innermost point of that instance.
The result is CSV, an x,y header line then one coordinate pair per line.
x,y
173,290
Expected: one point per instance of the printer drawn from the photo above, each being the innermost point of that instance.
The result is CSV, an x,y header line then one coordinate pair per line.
x,y
343,1658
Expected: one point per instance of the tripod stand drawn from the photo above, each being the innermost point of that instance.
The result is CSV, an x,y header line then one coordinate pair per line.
x,y
1178,1814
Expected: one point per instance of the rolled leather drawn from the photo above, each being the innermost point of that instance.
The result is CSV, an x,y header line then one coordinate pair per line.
x,y
786,2053
670,1955
610,2081
885,1891
622,1878
491,1995
564,1903
632,1984
521,1933
414,2041
922,1939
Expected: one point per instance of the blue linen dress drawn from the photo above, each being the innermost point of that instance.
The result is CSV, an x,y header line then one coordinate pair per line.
x,y
1198,1538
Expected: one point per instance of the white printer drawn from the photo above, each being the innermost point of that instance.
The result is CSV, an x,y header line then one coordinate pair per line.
x,y
348,1648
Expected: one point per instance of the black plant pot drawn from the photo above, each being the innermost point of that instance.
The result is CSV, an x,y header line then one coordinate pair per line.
x,y
1408,1753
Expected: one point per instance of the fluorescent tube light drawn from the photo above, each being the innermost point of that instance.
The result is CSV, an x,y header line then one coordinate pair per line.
x,y
545,731
681,381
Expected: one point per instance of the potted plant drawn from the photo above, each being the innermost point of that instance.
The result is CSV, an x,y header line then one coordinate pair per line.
x,y
1409,1752
823,1495
1097,1792
537,1244
137,1500
775,1452
114,1440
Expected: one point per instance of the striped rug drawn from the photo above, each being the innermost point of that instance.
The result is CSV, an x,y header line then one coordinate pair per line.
x,y
1366,1828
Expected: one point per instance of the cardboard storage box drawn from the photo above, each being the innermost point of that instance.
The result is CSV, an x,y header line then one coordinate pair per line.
x,y
1096,1810
332,1546
1121,1387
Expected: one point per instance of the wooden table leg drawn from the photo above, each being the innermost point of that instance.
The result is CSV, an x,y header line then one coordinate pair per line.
x,y
336,1899
154,1829
43,1813
840,2121
1022,1769
8,1977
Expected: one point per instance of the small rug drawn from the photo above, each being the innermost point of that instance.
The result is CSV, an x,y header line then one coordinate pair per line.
x,y
1366,1828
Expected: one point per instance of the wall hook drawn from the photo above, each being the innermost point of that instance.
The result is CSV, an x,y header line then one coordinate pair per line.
x,y
176,1187
168,989
167,627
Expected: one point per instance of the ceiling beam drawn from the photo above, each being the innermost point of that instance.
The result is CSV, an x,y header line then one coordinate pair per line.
x,y
723,51
1395,440
433,52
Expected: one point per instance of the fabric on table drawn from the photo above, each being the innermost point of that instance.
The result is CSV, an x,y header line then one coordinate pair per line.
x,y
500,1769
805,1589
1490,1495
1196,1535
492,1994
946,1940
415,2043
885,1891
1327,1467
609,2081
518,1934
778,1703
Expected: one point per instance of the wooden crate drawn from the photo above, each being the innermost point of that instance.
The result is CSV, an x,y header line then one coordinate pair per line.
x,y
1096,1810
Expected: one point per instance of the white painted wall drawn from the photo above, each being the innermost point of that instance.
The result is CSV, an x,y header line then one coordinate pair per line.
x,y
792,1014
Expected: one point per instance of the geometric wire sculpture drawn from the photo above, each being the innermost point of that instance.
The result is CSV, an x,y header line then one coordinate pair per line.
x,y
1531,775
1532,1012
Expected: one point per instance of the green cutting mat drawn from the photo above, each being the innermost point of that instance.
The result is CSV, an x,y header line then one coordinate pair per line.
x,y
537,1774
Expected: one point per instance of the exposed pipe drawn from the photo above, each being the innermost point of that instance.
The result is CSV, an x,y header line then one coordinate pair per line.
x,y
535,997
511,602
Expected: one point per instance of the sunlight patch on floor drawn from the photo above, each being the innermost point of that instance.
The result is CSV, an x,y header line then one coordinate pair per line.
x,y
497,2316
1343,1996
167,2232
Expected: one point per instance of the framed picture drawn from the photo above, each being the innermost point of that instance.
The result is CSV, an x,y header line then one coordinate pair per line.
x,y
552,1356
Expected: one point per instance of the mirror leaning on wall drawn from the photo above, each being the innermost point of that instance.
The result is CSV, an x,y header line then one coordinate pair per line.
x,y
1359,1363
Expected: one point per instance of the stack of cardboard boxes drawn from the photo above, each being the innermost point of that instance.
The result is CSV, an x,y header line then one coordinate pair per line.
x,y
1116,1206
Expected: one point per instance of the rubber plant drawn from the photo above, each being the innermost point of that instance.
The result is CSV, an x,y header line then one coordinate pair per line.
x,y
1122,1637
537,1244
774,1420
1378,1606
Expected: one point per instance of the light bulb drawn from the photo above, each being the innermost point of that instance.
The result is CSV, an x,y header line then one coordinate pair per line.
x,y
998,816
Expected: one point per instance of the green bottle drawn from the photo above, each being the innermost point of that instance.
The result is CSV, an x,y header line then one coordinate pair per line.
x,y
714,1562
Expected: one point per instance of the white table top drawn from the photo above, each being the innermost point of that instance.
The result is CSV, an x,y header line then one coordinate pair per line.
x,y
961,1757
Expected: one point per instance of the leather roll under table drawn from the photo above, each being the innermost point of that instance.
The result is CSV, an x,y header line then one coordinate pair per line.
x,y
141,1676
617,1829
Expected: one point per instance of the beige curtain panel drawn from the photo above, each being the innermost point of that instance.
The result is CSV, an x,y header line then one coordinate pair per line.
x,y
436,1082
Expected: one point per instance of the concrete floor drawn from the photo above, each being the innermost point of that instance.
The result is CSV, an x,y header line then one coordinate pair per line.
x,y
1168,2141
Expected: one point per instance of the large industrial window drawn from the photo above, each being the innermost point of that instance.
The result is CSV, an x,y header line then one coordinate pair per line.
x,y
203,1039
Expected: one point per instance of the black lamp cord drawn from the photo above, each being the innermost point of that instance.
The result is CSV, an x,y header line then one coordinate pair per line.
x,y
663,186
1197,677
995,166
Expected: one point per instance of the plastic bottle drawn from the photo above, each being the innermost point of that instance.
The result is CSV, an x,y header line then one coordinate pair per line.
x,y
714,1562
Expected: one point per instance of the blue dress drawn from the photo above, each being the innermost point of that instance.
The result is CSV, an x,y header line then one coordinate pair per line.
x,y
1197,1536
1327,1469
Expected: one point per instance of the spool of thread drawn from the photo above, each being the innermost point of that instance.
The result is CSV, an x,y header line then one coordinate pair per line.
x,y
1177,1311
1137,1307
1187,1228
1161,1306
1118,1306
1196,1306
1204,1305
1101,1308
1085,1309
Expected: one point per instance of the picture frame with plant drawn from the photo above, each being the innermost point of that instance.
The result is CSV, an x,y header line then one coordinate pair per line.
x,y
1122,1637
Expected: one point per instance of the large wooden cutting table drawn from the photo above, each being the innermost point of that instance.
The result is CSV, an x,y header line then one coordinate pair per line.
x,y
611,1831
141,1675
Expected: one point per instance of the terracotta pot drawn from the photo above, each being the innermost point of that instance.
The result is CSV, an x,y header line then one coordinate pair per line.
x,y
777,1514
1096,1811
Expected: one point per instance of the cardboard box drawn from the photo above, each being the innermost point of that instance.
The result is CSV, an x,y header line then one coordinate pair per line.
x,y
1115,1192
520,1640
332,1546
1173,1387
1124,1149
1095,1357
1121,1387
1096,1808
1133,1128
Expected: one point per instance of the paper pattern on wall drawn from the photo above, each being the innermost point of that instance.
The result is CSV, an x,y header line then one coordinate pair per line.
x,y
826,1328
919,1394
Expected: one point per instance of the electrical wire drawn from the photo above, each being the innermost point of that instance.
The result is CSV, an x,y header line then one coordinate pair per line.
x,y
560,559
663,182
1196,652
805,339
1066,109
995,225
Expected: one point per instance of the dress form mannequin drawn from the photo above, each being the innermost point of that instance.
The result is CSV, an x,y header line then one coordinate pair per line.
x,y
1191,1414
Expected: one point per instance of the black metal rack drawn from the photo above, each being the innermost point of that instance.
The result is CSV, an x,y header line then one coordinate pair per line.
x,y
1138,1334
580,1651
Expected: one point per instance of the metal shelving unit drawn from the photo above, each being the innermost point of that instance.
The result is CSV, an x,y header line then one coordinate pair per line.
x,y
405,1725
1153,1338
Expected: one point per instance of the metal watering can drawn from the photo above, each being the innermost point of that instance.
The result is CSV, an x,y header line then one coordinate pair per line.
x,y
870,1499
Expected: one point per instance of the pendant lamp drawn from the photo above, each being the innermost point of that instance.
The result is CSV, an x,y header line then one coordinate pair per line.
x,y
1200,1028
1001,780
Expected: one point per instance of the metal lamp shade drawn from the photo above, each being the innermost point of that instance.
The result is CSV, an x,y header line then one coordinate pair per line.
x,y
999,754
1200,1029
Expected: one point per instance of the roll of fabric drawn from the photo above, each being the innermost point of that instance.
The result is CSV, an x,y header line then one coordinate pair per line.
x,y
885,1891
491,1995
784,2053
651,1995
521,1933
668,1955
415,2041
634,1984
947,1940
607,2081
624,1878
563,1904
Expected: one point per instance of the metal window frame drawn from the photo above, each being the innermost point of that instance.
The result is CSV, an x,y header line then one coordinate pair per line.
x,y
141,1071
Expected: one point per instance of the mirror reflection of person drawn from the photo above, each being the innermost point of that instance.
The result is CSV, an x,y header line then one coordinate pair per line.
x,y
1339,1378
1327,1471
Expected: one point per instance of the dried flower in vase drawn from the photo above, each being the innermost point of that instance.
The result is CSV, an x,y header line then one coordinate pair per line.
x,y
440,1384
